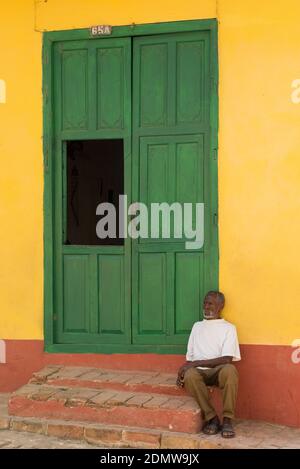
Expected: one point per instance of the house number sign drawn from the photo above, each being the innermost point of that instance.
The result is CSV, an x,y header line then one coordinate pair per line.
x,y
101,30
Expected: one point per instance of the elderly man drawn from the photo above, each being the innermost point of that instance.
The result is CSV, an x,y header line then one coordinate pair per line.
x,y
212,346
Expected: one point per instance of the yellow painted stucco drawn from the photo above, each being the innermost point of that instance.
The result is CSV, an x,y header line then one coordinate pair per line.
x,y
259,148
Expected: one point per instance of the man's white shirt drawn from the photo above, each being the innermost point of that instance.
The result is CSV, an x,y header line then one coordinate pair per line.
x,y
213,338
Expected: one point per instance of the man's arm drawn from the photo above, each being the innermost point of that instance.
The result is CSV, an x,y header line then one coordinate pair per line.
x,y
210,363
204,363
189,357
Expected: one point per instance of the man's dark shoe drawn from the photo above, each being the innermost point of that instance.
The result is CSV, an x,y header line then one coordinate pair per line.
x,y
212,427
227,430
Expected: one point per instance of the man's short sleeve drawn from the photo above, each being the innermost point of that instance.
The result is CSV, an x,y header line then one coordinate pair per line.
x,y
190,348
230,346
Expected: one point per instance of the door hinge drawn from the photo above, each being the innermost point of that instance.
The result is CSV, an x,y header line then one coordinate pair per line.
x,y
215,154
215,219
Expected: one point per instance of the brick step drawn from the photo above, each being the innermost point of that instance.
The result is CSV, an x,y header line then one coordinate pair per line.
x,y
96,378
111,436
108,406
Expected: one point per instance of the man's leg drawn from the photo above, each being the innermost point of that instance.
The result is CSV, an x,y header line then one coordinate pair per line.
x,y
194,383
228,383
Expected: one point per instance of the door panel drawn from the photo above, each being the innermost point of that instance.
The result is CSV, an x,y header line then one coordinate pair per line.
x,y
111,294
171,72
171,170
74,65
154,84
190,77
188,290
189,171
110,87
152,272
76,294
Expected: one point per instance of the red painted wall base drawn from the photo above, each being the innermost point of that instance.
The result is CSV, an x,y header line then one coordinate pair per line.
x,y
269,380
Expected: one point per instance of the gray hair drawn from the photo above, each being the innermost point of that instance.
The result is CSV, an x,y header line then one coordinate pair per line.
x,y
217,294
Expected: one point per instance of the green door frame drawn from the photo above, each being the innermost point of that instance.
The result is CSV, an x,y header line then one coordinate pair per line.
x,y
49,39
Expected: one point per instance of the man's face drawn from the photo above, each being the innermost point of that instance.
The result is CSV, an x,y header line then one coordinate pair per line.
x,y
211,307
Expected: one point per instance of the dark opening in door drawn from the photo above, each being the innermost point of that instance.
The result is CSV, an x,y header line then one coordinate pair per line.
x,y
95,174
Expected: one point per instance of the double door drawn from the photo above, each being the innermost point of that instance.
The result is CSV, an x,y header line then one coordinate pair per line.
x,y
131,116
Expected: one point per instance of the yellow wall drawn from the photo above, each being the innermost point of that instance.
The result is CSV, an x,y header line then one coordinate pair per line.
x,y
21,174
259,147
259,168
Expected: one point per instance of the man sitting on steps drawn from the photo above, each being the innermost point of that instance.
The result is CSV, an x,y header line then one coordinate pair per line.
x,y
212,346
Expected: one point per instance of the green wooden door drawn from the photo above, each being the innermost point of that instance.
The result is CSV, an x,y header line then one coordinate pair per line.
x,y
92,95
155,94
171,147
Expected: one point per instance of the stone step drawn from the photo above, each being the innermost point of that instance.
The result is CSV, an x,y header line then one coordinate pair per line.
x,y
111,436
96,378
108,406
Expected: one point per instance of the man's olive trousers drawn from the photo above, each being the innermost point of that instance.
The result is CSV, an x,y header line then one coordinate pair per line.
x,y
223,376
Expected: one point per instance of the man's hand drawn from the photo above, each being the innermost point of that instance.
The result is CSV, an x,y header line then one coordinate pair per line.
x,y
181,372
179,382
